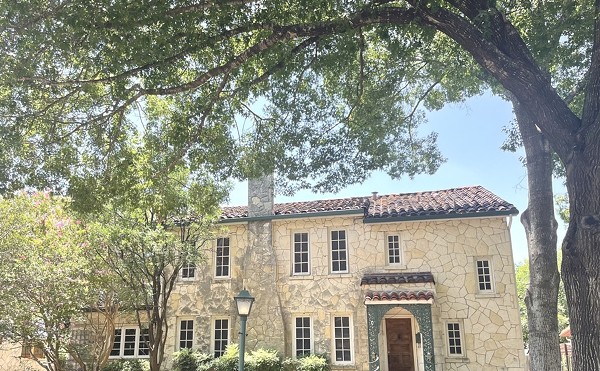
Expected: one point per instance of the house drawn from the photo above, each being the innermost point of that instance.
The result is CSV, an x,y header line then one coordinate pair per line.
x,y
418,281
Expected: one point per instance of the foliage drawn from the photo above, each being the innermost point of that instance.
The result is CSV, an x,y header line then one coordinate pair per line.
x,y
188,359
340,82
310,362
263,360
229,360
47,273
127,365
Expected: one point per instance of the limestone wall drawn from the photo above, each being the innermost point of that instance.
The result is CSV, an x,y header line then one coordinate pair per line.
x,y
447,248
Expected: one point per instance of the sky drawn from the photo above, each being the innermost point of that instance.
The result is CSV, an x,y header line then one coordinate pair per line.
x,y
470,137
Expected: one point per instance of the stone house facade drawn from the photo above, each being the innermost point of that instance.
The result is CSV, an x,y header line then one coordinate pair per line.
x,y
422,281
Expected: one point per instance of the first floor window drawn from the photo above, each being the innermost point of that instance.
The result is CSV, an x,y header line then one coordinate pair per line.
x,y
342,339
302,336
188,271
455,347
130,342
221,336
339,252
186,333
484,275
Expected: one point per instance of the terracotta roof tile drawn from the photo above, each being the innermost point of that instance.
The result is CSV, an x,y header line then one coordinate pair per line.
x,y
395,278
465,201
398,295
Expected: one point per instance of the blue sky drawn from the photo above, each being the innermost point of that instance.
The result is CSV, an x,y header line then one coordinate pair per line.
x,y
470,136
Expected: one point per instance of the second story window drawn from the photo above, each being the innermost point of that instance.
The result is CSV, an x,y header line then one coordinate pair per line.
x,y
222,257
339,252
188,271
301,254
394,253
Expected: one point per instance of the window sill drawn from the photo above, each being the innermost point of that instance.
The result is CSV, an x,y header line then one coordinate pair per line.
x,y
340,275
301,277
395,267
485,295
457,360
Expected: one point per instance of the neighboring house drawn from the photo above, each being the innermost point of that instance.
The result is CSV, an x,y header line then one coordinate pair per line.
x,y
14,356
419,281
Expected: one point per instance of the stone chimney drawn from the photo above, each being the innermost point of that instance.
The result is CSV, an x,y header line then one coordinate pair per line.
x,y
265,324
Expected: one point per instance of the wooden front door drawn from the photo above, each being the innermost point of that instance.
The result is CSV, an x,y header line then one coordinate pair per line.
x,y
399,344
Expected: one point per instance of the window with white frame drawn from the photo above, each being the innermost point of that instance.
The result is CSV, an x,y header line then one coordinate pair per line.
x,y
342,339
339,252
302,336
454,337
186,333
130,342
393,251
222,257
221,336
301,254
484,275
188,271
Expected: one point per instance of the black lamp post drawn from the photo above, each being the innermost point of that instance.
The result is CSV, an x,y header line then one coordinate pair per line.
x,y
243,304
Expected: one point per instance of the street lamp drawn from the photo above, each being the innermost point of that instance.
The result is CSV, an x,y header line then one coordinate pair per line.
x,y
243,304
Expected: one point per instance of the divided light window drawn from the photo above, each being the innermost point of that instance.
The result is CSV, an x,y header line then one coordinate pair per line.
x,y
188,271
186,334
301,255
484,275
343,341
303,336
454,339
339,252
223,257
394,256
130,342
221,336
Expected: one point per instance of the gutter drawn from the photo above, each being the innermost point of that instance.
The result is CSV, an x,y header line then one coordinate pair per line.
x,y
438,217
293,216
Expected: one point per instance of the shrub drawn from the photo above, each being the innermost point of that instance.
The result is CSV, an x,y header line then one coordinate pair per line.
x,y
263,360
313,362
127,365
185,360
229,360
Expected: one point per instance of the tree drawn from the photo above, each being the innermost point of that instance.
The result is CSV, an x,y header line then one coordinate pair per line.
x,y
157,223
46,276
522,280
341,80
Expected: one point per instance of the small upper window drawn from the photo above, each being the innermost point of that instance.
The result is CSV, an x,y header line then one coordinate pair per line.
x,y
484,276
394,253
188,271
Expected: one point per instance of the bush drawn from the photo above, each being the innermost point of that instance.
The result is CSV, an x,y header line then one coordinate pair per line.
x,y
229,360
190,360
127,365
313,362
263,360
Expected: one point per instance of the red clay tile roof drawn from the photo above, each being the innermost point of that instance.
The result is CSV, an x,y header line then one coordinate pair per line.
x,y
392,278
398,295
467,201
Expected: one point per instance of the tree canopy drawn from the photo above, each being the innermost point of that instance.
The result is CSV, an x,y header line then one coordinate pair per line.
x,y
340,84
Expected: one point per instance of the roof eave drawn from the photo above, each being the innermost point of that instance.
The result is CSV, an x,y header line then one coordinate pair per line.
x,y
293,216
485,214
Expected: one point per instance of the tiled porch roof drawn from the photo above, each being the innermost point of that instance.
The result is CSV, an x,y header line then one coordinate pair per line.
x,y
398,295
464,201
392,278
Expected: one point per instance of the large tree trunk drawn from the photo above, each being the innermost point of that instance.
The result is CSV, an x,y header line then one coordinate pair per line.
x,y
540,227
581,257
